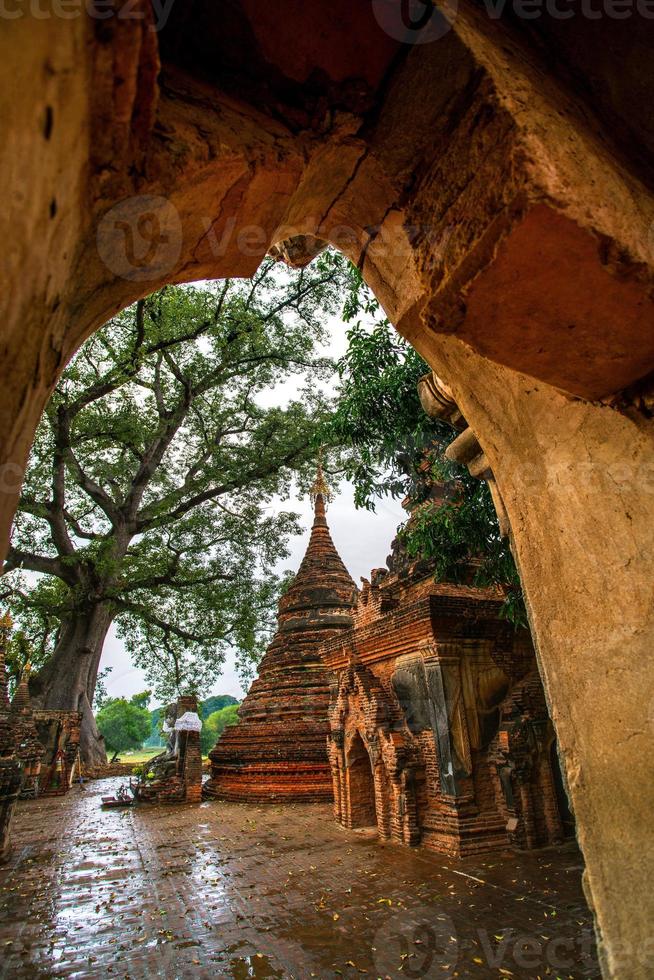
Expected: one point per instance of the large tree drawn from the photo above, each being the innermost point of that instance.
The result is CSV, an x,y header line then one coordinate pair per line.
x,y
395,449
148,491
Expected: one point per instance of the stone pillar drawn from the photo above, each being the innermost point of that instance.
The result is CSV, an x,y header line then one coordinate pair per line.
x,y
577,481
192,769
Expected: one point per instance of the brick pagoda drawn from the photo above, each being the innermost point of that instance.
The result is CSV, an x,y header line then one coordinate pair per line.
x,y
29,749
277,752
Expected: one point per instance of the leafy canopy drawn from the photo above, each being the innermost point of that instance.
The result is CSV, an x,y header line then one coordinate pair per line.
x,y
215,724
396,449
150,484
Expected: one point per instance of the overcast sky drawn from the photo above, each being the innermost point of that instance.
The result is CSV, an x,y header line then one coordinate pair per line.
x,y
362,539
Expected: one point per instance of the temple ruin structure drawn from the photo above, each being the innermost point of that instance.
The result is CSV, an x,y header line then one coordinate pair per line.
x,y
29,749
439,731
45,743
278,751
175,775
491,173
59,734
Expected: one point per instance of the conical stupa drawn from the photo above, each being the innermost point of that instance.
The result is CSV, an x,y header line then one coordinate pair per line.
x,y
277,751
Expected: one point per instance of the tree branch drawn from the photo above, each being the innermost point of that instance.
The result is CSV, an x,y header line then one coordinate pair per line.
x,y
18,558
155,620
253,476
167,578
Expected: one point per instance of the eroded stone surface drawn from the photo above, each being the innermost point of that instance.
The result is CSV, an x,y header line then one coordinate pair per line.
x,y
177,771
229,890
439,731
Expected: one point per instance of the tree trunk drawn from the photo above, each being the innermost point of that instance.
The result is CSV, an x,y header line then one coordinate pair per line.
x,y
92,749
67,682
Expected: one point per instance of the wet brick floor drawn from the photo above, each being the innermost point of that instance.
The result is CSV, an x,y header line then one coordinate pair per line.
x,y
226,890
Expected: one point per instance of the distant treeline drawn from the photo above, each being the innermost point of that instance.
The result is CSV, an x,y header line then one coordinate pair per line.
x,y
215,703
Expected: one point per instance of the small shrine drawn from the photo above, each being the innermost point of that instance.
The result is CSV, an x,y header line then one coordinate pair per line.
x,y
46,741
175,775
277,751
59,733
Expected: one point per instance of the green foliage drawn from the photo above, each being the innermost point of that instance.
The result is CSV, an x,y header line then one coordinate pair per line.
x,y
155,738
215,703
101,696
150,483
142,700
379,415
33,606
125,724
215,724
396,449
207,707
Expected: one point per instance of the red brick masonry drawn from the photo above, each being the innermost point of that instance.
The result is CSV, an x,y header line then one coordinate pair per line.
x,y
278,749
439,731
178,770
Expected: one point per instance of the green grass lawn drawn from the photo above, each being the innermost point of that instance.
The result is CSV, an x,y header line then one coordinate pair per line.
x,y
137,756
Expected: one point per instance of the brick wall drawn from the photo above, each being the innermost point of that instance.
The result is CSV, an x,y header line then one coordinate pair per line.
x,y
388,744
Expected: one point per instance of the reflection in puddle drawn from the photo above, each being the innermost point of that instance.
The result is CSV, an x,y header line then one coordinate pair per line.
x,y
250,893
258,965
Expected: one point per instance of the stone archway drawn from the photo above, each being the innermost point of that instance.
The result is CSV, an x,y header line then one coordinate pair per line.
x,y
364,718
505,233
360,784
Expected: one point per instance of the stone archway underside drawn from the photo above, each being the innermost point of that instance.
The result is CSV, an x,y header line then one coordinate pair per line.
x,y
505,232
